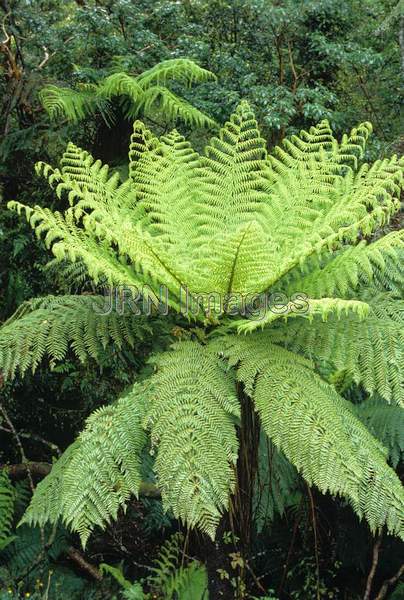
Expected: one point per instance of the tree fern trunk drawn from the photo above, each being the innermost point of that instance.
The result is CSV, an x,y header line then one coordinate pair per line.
x,y
247,466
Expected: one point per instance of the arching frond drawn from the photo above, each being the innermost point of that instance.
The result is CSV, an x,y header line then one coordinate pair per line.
x,y
311,307
371,350
73,105
176,69
318,431
45,328
343,271
192,423
98,473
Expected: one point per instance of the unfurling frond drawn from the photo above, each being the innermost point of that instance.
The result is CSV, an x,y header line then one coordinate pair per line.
x,y
46,328
192,423
98,473
318,431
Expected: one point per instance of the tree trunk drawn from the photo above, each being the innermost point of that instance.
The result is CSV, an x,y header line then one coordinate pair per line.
x,y
247,467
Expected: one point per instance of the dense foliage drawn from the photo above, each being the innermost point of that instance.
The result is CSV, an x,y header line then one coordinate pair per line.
x,y
193,432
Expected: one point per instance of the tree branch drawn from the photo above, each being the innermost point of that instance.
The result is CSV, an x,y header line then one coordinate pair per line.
x,y
389,583
80,560
375,560
41,469
36,438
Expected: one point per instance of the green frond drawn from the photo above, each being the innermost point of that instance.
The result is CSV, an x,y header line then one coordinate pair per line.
x,y
352,266
174,580
171,106
192,424
231,174
182,70
371,350
7,500
142,141
310,308
46,328
318,432
98,473
386,423
74,105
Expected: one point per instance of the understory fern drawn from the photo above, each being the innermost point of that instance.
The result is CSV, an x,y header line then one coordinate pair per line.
x,y
273,270
7,499
170,579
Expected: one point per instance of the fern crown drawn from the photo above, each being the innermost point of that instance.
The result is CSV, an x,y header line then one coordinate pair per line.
x,y
234,222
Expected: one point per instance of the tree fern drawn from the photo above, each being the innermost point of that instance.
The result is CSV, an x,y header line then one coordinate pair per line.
x,y
145,93
228,228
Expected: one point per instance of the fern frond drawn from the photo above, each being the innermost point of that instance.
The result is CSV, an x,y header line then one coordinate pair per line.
x,y
192,423
318,432
74,105
171,106
98,473
386,423
311,308
182,70
370,350
45,328
172,579
352,266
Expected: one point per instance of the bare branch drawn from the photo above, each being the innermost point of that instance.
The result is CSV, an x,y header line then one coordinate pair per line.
x,y
389,583
375,560
41,469
80,560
